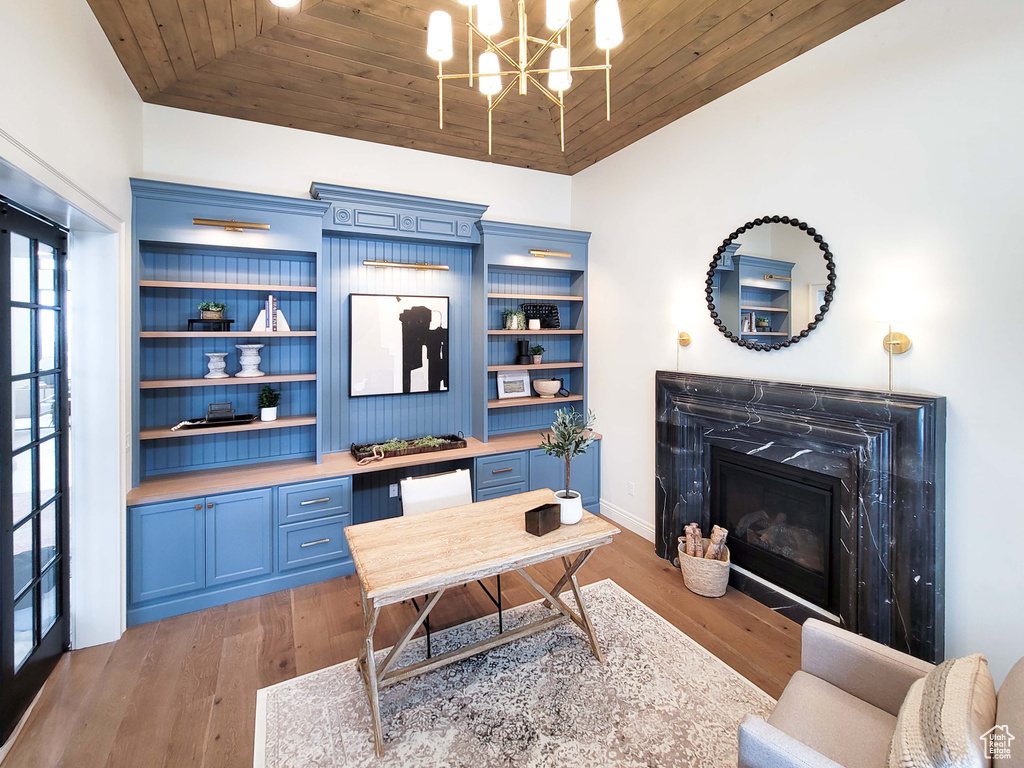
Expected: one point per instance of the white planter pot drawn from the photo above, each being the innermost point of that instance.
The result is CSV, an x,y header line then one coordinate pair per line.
x,y
216,365
571,507
537,359
268,414
534,324
249,359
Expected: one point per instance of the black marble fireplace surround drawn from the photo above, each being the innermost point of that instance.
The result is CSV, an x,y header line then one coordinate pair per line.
x,y
886,448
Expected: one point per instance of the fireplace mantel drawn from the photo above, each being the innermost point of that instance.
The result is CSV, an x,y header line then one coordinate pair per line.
x,y
887,448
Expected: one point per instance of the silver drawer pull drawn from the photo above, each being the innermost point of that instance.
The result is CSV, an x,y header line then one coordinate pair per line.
x,y
314,501
305,544
501,471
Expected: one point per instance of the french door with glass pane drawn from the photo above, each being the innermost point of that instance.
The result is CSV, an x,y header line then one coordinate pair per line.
x,y
33,460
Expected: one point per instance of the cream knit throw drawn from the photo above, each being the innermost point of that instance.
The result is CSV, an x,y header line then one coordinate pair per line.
x,y
944,715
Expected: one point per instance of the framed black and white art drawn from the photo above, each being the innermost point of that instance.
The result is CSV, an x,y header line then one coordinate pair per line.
x,y
398,344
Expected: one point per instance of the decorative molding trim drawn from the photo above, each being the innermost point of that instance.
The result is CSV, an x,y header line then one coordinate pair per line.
x,y
509,229
627,520
727,247
371,212
253,201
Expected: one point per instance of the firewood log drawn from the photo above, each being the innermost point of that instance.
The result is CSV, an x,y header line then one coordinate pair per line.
x,y
716,549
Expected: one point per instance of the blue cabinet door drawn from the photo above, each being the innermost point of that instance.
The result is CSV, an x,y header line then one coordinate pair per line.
x,y
239,530
549,472
167,552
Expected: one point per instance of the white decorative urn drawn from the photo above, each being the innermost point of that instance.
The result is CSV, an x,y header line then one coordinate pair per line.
x,y
249,359
216,365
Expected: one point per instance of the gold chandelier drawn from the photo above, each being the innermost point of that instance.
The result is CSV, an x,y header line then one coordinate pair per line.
x,y
496,62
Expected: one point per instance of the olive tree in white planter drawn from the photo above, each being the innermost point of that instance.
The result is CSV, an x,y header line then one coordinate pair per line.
x,y
570,436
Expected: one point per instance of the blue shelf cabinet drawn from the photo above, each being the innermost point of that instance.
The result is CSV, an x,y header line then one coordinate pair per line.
x,y
507,274
506,474
176,265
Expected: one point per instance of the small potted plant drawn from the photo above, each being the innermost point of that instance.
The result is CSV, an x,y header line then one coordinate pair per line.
x,y
538,352
570,436
268,401
513,320
212,310
764,323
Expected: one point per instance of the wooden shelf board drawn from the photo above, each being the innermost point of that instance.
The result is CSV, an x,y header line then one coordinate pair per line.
x,y
228,286
230,380
755,287
284,422
766,333
764,309
533,297
183,485
531,367
221,334
546,332
534,400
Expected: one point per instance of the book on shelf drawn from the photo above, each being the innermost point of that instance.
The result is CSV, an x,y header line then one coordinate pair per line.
x,y
271,319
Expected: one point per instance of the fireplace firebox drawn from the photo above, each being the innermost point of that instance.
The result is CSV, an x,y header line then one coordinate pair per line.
x,y
782,522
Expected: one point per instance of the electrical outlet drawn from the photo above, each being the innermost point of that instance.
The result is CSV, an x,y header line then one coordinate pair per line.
x,y
393,490
630,488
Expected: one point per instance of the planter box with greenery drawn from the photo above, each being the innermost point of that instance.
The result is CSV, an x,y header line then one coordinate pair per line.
x,y
212,310
396,447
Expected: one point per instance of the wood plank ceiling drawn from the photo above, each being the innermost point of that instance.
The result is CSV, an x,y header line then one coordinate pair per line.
x,y
358,68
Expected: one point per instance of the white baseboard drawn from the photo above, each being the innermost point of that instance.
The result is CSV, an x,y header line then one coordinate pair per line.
x,y
627,519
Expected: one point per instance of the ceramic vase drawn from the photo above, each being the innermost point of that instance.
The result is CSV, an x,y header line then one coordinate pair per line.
x,y
216,365
268,414
249,359
571,507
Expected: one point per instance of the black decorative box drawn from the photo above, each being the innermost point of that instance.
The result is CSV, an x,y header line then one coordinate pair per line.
x,y
543,519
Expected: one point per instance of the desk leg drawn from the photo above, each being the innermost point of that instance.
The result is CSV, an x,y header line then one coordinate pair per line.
x,y
570,571
368,668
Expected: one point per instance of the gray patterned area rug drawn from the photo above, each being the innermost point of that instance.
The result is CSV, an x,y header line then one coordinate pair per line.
x,y
660,699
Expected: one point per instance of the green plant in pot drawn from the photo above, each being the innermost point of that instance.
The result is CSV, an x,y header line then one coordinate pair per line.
x,y
764,323
268,401
513,320
538,352
570,436
212,310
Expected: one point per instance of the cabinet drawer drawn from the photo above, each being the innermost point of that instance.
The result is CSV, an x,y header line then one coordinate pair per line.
x,y
503,469
505,490
311,501
313,542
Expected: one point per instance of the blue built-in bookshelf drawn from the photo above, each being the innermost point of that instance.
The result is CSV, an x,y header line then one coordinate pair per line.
x,y
179,264
509,273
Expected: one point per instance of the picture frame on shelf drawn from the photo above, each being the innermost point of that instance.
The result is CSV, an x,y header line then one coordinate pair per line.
x,y
512,384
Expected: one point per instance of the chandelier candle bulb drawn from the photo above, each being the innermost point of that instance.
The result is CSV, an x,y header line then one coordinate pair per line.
x,y
559,78
439,36
489,17
557,14
607,24
488,68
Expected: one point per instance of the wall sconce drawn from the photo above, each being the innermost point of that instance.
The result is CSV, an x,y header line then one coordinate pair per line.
x,y
683,339
230,226
895,344
400,265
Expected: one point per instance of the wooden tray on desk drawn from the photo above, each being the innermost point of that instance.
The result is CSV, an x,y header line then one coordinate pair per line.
x,y
365,451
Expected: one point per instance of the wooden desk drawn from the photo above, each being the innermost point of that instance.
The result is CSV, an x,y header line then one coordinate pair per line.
x,y
406,557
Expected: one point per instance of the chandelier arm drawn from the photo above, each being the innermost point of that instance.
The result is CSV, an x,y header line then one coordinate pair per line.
x,y
546,44
493,104
557,101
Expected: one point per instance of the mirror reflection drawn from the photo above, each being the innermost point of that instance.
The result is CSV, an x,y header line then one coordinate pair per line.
x,y
769,283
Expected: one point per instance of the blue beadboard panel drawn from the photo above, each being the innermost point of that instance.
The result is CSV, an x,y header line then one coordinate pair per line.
x,y
371,491
209,265
348,420
534,281
223,450
168,309
166,407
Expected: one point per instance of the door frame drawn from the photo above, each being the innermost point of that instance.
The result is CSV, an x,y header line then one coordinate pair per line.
x,y
19,687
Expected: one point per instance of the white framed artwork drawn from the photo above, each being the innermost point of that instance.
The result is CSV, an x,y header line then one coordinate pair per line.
x,y
513,384
398,345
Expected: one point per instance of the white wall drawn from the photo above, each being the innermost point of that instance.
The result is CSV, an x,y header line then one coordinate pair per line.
x,y
70,136
902,141
267,158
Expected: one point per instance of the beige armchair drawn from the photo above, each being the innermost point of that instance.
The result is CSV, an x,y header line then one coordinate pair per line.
x,y
839,710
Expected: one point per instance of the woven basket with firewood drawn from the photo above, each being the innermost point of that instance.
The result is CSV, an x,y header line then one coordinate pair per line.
x,y
704,563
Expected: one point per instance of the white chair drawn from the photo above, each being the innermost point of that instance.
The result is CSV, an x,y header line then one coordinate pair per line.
x,y
432,492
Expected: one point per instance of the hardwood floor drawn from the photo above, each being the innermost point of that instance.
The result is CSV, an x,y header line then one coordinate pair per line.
x,y
182,691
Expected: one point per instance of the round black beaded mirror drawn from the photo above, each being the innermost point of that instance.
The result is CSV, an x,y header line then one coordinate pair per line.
x,y
771,283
